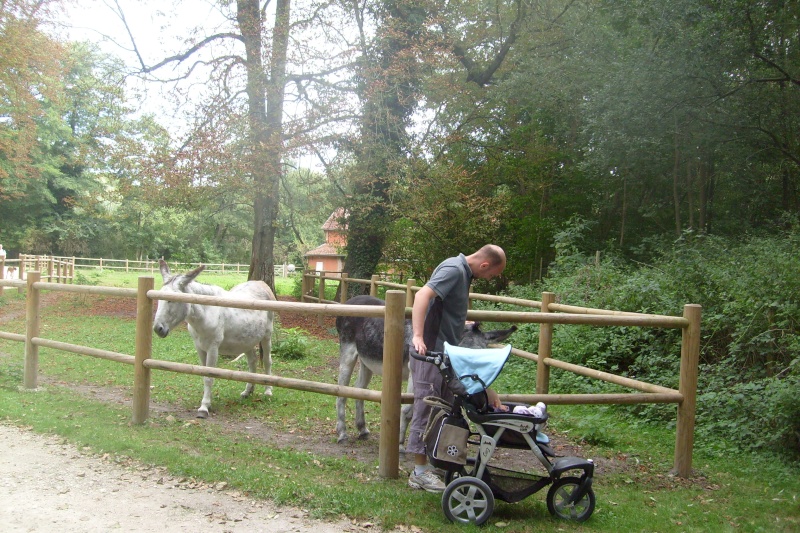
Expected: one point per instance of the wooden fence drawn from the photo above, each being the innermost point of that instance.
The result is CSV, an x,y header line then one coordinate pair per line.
x,y
62,269
550,313
395,311
53,269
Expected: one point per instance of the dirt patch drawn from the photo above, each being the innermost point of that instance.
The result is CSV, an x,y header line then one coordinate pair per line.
x,y
47,484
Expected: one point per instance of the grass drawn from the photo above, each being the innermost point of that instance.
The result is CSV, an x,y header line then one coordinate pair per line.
x,y
729,493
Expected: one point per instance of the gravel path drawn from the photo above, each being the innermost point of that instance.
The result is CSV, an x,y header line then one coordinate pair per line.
x,y
47,485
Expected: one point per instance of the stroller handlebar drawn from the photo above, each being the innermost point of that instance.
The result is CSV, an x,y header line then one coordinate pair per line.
x,y
430,357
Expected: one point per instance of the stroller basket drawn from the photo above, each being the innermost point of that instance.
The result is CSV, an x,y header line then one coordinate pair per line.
x,y
512,486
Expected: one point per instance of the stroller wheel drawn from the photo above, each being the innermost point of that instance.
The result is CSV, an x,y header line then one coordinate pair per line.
x,y
559,495
468,500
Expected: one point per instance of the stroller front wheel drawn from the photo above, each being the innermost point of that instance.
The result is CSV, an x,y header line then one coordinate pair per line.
x,y
468,500
559,496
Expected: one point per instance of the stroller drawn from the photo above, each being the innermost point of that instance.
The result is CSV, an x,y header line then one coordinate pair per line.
x,y
472,484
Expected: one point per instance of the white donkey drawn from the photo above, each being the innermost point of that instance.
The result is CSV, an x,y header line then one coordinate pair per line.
x,y
218,330
361,339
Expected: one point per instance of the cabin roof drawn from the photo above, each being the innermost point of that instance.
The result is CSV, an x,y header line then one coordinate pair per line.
x,y
332,224
324,249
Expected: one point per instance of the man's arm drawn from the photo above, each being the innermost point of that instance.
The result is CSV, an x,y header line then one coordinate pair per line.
x,y
418,311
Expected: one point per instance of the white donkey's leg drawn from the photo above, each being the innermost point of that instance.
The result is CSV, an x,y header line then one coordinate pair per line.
x,y
364,376
348,355
405,414
252,367
210,360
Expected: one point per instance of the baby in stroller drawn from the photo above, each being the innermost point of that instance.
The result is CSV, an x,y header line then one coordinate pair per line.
x,y
472,483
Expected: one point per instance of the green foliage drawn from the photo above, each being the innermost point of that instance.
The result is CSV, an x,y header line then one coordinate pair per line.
x,y
290,343
750,331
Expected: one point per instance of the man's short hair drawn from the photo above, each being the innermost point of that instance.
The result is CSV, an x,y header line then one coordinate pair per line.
x,y
493,253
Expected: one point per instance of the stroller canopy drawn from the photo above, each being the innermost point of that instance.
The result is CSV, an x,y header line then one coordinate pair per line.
x,y
476,368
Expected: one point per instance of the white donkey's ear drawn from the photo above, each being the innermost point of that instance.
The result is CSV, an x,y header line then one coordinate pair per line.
x,y
190,276
164,267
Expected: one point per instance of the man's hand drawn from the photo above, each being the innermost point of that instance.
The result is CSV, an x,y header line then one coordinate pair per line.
x,y
419,344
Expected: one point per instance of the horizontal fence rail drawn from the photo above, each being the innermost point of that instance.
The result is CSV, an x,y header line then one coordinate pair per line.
x,y
396,309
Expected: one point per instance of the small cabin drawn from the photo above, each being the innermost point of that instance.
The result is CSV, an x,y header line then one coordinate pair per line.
x,y
328,256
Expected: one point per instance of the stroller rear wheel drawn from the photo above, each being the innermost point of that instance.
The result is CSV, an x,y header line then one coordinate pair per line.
x,y
468,500
559,496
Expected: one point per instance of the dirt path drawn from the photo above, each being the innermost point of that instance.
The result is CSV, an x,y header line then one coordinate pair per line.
x,y
47,485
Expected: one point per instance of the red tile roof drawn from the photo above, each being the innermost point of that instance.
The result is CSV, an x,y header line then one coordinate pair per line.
x,y
325,249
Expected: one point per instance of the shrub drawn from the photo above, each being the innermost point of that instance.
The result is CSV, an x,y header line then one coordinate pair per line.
x,y
750,331
291,344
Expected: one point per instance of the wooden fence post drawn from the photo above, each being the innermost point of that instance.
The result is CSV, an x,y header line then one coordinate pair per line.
x,y
410,292
144,350
343,290
21,272
690,360
321,296
393,333
32,321
373,285
545,347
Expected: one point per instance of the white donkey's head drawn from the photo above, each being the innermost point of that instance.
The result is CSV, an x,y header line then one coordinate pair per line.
x,y
171,314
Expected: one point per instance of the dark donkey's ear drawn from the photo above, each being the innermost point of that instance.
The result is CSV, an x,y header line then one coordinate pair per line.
x,y
500,335
474,327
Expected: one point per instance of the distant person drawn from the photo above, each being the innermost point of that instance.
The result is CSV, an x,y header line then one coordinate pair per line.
x,y
447,291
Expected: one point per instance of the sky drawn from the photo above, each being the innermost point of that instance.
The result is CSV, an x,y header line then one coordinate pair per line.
x,y
157,27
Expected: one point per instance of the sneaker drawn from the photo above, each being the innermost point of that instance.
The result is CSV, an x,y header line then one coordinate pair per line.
x,y
427,480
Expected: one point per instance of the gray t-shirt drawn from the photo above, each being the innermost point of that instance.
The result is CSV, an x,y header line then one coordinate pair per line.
x,y
450,281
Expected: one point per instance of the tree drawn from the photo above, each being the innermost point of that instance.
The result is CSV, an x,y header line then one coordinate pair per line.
x,y
388,90
264,91
30,70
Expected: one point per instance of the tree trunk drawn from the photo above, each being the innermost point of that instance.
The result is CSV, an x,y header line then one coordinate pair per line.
x,y
389,94
676,199
702,172
624,210
265,100
690,194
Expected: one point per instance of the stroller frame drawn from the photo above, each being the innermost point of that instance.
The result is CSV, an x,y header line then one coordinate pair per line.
x,y
472,488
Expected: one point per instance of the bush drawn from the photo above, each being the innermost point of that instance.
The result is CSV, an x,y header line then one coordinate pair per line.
x,y
750,331
291,344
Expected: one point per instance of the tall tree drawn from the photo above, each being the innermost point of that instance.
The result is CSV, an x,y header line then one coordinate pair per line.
x,y
389,80
30,74
264,89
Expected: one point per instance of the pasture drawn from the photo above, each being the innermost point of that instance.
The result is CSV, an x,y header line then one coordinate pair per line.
x,y
284,447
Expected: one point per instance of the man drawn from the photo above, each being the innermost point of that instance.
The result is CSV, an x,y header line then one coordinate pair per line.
x,y
448,289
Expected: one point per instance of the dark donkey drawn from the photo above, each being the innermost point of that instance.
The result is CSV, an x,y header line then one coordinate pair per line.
x,y
361,339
